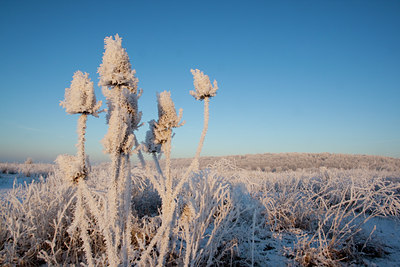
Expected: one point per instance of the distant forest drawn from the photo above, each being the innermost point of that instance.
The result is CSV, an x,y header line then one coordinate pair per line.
x,y
269,162
280,162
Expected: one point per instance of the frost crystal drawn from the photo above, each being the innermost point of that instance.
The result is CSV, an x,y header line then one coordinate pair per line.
x,y
116,68
80,98
203,86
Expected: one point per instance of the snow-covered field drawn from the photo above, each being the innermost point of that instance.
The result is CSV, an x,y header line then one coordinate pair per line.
x,y
14,174
7,181
224,215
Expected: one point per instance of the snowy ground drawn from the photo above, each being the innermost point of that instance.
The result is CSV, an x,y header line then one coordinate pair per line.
x,y
7,181
387,235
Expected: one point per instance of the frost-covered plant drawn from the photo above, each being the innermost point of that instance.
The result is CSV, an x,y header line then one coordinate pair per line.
x,y
80,99
119,85
204,91
160,134
167,120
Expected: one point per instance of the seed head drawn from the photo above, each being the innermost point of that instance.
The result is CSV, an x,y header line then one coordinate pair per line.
x,y
166,111
80,98
116,69
167,118
202,85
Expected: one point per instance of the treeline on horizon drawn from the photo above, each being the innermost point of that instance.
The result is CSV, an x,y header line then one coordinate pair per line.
x,y
268,162
280,162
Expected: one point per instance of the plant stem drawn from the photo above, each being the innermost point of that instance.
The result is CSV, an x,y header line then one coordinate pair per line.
x,y
157,163
81,141
83,224
194,166
167,151
140,154
126,223
168,207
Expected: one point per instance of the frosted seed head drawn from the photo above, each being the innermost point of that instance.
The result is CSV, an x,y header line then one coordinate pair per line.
x,y
166,109
167,117
203,86
116,69
80,98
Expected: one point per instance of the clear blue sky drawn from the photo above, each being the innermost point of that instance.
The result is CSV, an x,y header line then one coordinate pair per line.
x,y
294,76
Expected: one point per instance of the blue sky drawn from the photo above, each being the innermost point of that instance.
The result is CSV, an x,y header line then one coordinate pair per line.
x,y
294,76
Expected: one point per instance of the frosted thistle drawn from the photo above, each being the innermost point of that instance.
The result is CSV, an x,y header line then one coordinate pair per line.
x,y
116,69
119,86
203,86
162,134
167,118
80,98
204,91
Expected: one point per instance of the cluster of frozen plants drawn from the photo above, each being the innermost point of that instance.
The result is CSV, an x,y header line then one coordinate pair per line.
x,y
116,215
